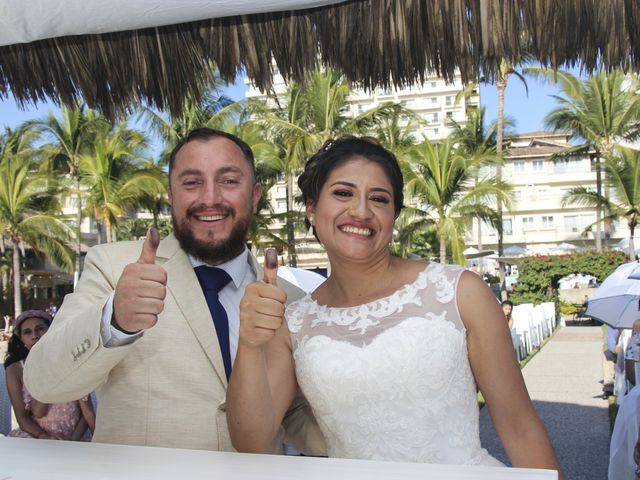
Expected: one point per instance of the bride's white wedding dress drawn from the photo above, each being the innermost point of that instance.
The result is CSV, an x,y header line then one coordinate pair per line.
x,y
390,379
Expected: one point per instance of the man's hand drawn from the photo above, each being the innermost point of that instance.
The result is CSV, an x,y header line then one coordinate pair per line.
x,y
141,290
262,307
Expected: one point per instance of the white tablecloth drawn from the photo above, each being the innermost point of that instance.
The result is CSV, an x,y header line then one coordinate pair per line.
x,y
28,459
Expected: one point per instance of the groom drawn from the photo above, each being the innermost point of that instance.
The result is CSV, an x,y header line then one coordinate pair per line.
x,y
146,329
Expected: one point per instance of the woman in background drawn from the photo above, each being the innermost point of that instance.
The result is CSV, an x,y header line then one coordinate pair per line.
x,y
66,421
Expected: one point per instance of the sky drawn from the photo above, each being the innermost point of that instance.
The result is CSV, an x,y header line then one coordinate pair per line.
x,y
527,111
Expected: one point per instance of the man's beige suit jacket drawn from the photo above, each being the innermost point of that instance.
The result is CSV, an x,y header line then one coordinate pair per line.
x,y
165,389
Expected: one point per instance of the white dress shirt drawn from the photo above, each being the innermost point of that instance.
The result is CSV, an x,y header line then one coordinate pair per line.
x,y
241,275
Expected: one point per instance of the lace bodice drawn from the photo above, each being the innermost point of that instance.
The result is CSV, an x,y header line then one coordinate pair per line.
x,y
390,379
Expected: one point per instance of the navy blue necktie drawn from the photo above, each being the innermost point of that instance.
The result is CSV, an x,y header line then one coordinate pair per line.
x,y
212,280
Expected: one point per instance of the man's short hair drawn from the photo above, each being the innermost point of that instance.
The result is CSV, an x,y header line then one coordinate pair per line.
x,y
204,134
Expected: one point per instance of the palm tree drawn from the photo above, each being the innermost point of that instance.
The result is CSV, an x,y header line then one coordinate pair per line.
x,y
72,135
474,140
302,119
506,70
114,177
415,234
29,216
443,182
214,111
623,178
599,112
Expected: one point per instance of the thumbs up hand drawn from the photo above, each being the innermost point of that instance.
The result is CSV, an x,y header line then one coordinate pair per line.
x,y
262,307
141,290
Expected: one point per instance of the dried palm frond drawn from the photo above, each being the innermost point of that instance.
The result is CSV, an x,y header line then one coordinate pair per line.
x,y
376,43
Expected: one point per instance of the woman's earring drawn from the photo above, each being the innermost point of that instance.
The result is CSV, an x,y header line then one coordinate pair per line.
x,y
310,232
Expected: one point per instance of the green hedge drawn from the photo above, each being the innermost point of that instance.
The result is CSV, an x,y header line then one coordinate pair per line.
x,y
539,276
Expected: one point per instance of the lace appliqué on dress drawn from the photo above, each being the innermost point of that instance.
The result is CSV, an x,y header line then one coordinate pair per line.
x,y
391,380
360,318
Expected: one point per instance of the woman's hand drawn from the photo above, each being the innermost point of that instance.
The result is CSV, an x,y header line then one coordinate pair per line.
x,y
262,307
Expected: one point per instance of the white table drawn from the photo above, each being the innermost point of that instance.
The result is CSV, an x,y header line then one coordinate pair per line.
x,y
29,459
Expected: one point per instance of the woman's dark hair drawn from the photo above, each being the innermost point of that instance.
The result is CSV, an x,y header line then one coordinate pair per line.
x,y
16,350
335,153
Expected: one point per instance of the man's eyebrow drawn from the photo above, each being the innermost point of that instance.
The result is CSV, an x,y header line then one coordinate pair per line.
x,y
190,171
230,169
221,170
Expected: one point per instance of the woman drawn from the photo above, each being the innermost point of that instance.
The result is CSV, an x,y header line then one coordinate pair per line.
x,y
66,421
387,351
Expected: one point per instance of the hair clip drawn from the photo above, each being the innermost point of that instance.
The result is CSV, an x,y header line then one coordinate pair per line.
x,y
328,145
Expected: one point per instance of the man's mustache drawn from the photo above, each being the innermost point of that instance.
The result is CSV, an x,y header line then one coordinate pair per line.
x,y
218,208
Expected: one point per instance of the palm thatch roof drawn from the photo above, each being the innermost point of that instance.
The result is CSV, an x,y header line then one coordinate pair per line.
x,y
376,43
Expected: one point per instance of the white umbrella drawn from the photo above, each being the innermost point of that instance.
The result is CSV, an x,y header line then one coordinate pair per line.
x,y
305,279
563,248
617,300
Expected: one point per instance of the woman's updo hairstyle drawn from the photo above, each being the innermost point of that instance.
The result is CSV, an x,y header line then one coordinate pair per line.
x,y
335,153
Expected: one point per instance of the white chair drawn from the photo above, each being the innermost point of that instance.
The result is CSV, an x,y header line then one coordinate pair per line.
x,y
5,405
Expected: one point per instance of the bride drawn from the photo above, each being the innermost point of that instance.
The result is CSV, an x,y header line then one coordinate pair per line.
x,y
387,351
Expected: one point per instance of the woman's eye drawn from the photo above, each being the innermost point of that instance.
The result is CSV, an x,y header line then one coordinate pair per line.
x,y
380,199
342,193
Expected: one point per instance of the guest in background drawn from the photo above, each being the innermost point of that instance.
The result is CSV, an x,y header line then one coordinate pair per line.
x,y
66,421
507,309
623,461
610,358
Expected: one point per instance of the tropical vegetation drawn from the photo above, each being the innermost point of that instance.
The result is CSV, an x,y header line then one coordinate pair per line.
x,y
107,171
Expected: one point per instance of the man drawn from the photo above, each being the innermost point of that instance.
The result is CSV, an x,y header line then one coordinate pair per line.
x,y
139,329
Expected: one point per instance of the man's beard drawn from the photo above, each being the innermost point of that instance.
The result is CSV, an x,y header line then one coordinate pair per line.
x,y
212,252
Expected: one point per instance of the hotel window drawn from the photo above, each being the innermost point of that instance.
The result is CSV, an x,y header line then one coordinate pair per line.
x,y
434,84
449,115
507,227
572,223
448,101
547,221
433,118
527,223
434,99
537,165
518,166
282,204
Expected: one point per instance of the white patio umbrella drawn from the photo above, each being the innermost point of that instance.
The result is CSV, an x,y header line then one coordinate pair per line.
x,y
305,279
617,300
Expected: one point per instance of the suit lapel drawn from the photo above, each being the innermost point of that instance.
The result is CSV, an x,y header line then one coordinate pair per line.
x,y
183,285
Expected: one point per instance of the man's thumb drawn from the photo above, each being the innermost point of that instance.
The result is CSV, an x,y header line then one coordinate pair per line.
x,y
150,246
270,266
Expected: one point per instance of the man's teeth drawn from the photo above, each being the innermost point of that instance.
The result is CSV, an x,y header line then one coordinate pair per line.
x,y
357,231
210,218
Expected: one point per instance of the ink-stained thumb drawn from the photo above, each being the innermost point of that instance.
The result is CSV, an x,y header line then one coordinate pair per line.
x,y
270,266
150,246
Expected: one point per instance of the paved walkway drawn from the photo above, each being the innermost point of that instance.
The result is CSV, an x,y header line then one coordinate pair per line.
x,y
564,381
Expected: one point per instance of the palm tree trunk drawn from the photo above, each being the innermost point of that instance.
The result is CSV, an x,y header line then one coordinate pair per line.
x,y
598,209
291,237
632,248
17,293
107,227
501,86
443,249
480,261
76,273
